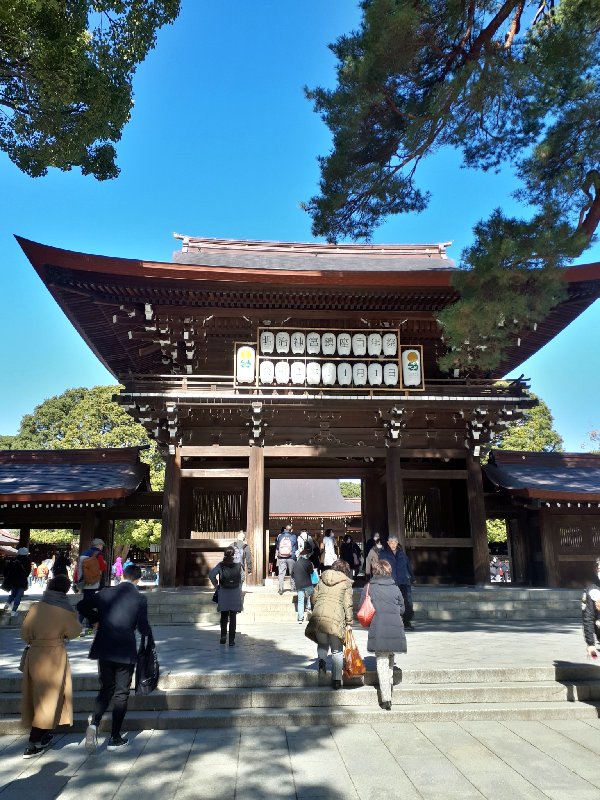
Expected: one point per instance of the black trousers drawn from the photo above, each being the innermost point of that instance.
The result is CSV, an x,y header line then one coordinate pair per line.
x,y
409,611
115,683
36,734
232,617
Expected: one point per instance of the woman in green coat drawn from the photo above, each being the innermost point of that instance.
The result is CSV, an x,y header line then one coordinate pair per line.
x,y
332,615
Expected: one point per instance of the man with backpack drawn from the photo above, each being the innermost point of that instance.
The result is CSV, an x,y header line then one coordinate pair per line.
x,y
91,571
242,555
285,552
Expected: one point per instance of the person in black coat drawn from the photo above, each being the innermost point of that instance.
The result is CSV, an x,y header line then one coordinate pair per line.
x,y
386,631
16,579
121,611
590,613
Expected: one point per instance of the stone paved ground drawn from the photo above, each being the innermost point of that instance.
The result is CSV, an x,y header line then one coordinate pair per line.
x,y
434,761
516,760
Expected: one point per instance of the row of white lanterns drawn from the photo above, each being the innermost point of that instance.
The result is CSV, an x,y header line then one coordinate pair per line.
x,y
314,373
328,344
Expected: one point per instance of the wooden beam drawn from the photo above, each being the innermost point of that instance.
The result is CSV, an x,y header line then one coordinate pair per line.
x,y
213,451
299,471
434,474
170,519
481,553
256,512
438,542
395,494
214,473
312,451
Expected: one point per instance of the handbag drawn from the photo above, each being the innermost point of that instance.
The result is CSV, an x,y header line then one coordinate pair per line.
x,y
215,597
354,666
314,577
23,658
147,668
367,610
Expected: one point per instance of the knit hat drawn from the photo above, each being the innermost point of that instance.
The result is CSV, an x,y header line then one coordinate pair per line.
x,y
97,543
22,551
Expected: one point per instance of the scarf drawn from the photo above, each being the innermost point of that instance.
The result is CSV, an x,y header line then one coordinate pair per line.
x,y
58,599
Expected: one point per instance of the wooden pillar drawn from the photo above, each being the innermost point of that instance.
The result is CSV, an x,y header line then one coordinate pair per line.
x,y
255,511
395,494
266,525
481,553
87,530
551,567
24,534
373,506
170,519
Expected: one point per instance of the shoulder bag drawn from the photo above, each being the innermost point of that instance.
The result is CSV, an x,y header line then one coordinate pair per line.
x,y
367,611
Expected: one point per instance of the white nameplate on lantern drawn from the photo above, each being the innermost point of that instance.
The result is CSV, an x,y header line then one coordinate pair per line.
x,y
298,343
411,368
313,373
282,372
313,343
267,342
282,342
328,374
267,372
359,344
298,372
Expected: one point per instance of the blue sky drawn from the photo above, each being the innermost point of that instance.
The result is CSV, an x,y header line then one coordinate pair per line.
x,y
222,143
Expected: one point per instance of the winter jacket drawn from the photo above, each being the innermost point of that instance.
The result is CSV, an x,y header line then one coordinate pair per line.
x,y
303,569
329,551
246,555
17,572
386,631
46,699
401,569
371,558
229,599
590,614
121,610
294,539
332,606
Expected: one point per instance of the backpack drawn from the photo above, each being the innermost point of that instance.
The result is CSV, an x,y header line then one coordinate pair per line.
x,y
285,546
91,570
231,576
238,554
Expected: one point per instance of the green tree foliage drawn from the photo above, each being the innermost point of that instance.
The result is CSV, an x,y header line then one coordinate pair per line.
x,y
501,81
534,432
6,442
66,72
90,418
594,437
349,489
496,530
58,537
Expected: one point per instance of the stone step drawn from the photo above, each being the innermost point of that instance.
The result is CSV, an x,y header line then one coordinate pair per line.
x,y
318,715
323,696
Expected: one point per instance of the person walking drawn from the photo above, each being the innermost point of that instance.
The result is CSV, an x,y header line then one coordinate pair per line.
x,y
91,571
590,613
243,555
370,543
402,573
329,550
285,553
117,570
331,617
121,611
386,631
61,565
351,553
16,580
302,573
46,697
372,557
226,577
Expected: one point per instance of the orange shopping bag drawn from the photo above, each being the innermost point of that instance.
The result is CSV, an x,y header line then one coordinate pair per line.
x,y
354,666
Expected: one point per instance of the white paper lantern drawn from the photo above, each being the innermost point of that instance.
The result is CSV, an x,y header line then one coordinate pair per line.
x,y
411,368
344,374
390,374
298,343
375,373
359,374
282,372
344,344
328,342
328,374
359,344
282,342
374,344
298,372
313,373
390,344
267,342
245,364
266,372
313,343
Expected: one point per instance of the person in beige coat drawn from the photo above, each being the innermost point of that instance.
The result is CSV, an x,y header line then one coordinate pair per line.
x,y
332,615
47,696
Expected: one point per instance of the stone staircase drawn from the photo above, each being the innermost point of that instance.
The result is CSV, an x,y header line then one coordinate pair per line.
x,y
218,700
448,604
